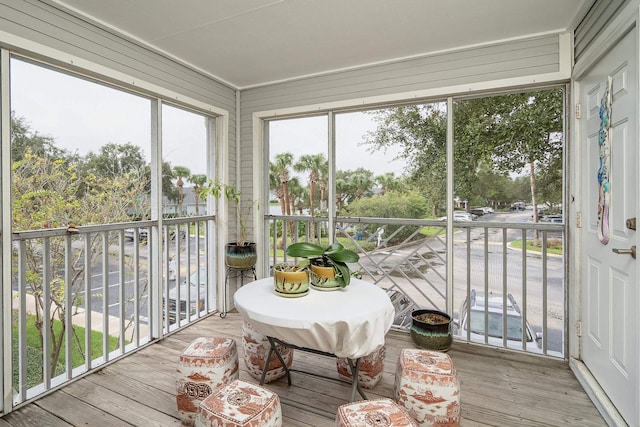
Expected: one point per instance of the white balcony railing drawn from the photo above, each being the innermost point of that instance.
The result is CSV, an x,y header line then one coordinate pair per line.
x,y
525,287
67,282
100,278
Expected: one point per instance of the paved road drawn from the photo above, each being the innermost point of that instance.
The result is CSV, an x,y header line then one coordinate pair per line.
x,y
419,269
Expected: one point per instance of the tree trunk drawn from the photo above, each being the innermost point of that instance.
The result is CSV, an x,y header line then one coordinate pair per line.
x,y
312,225
534,202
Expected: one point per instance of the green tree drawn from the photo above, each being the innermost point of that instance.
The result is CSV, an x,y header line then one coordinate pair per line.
x,y
342,190
276,186
492,189
281,168
521,189
520,130
169,190
297,194
282,165
362,180
315,165
420,131
508,132
113,160
46,193
388,182
549,179
180,172
394,204
351,185
199,181
23,140
323,182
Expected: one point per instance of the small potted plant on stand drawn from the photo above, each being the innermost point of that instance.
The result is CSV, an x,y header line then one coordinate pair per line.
x,y
328,269
241,254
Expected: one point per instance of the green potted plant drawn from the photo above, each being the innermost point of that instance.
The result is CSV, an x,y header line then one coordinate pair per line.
x,y
240,254
328,265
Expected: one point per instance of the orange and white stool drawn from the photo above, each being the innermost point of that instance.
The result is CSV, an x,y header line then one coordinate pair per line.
x,y
375,413
370,370
256,349
206,365
427,386
240,404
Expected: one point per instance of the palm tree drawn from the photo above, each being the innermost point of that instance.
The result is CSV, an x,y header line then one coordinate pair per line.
x,y
324,178
297,193
168,189
314,164
180,172
198,181
342,189
362,181
282,164
387,181
276,186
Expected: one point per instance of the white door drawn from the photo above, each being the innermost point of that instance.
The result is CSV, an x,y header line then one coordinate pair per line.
x,y
610,287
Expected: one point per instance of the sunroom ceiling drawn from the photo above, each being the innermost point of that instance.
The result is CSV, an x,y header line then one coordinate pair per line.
x,y
248,43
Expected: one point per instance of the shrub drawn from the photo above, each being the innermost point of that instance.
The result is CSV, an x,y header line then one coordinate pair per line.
x,y
390,205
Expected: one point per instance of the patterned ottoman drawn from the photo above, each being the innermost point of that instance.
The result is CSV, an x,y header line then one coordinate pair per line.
x,y
256,349
373,413
427,386
240,404
205,366
370,372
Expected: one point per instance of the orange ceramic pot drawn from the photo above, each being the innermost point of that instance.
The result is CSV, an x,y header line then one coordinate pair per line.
x,y
290,281
323,278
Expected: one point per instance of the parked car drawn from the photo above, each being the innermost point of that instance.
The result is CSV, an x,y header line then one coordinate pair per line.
x,y
461,216
472,319
143,234
518,206
129,233
555,218
197,294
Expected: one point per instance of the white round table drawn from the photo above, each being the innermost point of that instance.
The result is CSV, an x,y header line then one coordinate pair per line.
x,y
351,322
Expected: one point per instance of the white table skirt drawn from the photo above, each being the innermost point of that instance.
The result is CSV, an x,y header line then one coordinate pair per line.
x,y
349,322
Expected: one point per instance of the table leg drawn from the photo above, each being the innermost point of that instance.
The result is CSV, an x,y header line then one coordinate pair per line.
x,y
354,366
274,349
355,384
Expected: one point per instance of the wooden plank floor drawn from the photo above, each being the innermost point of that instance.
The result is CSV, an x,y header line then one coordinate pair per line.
x,y
498,388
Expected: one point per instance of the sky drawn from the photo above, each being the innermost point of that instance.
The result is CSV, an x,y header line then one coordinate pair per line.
x,y
309,135
82,116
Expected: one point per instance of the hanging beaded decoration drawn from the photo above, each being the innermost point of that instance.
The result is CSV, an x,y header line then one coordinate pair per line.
x,y
604,141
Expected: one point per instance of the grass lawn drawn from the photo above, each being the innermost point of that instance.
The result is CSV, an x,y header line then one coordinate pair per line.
x,y
34,350
554,246
430,231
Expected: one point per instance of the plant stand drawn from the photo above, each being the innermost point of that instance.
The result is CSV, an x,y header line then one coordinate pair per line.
x,y
235,273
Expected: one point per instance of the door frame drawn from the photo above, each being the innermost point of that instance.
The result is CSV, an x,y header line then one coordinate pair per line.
x,y
624,22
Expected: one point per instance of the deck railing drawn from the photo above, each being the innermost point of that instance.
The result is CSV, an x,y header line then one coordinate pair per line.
x,y
122,283
83,296
408,257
